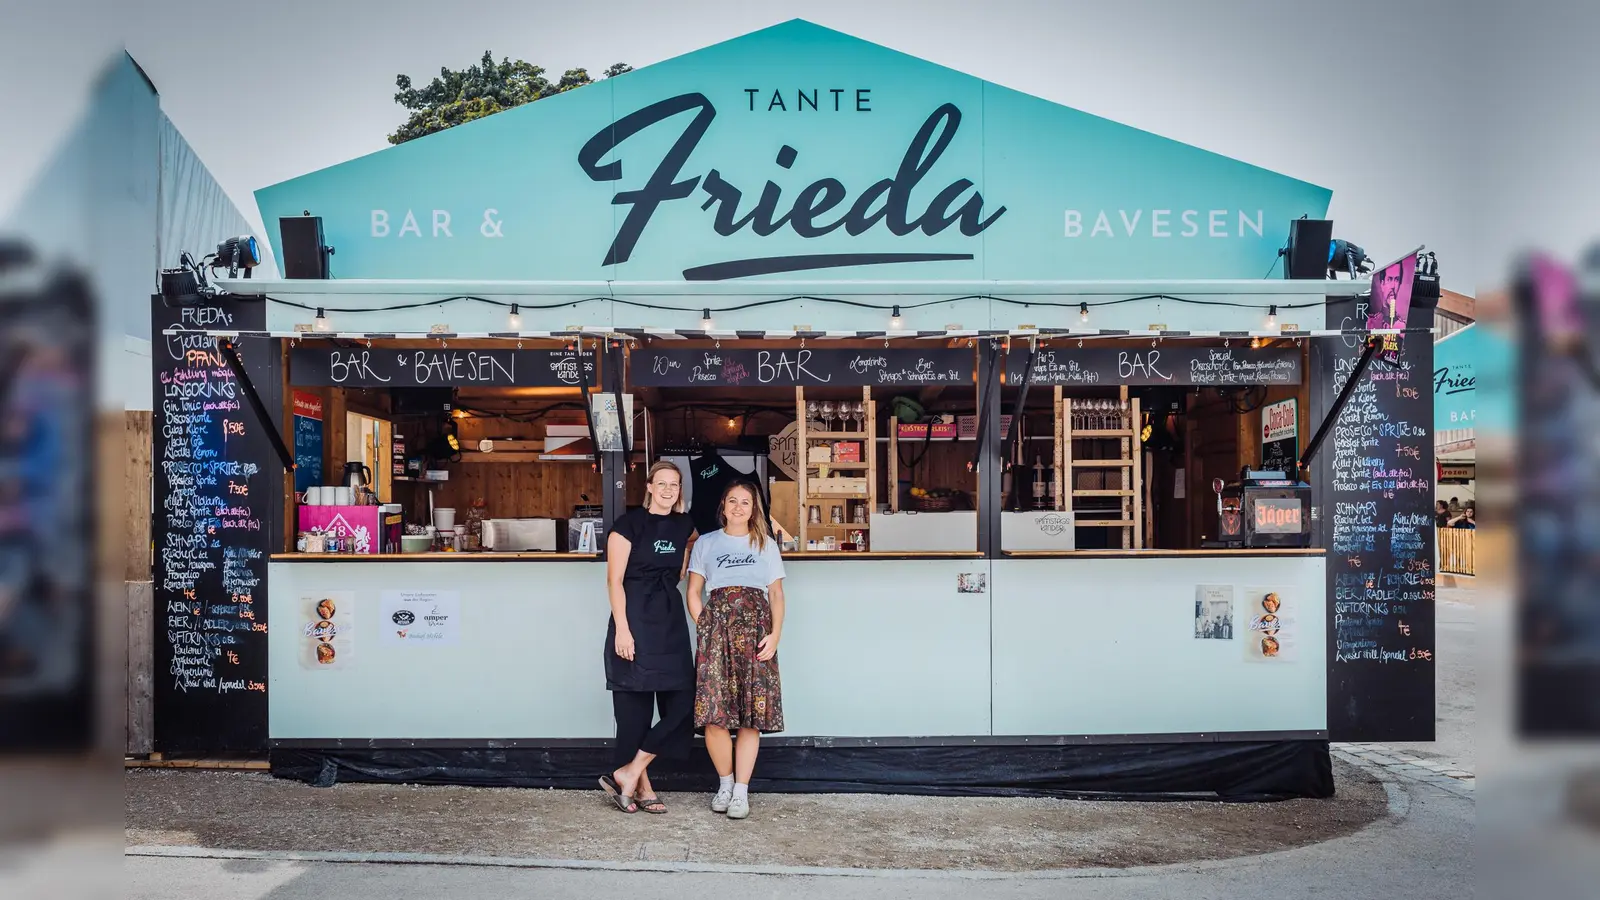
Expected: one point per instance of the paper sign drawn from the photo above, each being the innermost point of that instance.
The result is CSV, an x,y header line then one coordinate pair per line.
x,y
1270,634
327,629
420,617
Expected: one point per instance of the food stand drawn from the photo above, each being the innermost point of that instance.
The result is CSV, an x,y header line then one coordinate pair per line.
x,y
952,628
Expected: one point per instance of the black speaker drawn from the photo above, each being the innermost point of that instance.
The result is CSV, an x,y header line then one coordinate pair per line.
x,y
1307,255
304,254
1425,284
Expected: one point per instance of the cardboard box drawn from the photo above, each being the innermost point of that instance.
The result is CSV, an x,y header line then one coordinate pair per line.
x,y
838,487
847,452
968,427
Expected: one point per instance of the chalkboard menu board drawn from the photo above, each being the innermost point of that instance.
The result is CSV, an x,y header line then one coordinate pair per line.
x,y
799,366
307,441
1171,363
367,367
218,488
1376,471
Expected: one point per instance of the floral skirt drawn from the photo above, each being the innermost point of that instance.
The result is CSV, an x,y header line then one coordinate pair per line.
x,y
733,689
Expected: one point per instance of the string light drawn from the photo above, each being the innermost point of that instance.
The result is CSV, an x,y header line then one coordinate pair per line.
x,y
1083,312
732,424
515,319
1272,317
705,319
321,322
894,318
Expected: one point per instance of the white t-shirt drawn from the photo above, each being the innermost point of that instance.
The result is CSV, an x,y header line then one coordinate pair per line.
x,y
725,560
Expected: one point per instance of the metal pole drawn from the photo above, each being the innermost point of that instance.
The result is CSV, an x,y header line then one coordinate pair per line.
x,y
231,357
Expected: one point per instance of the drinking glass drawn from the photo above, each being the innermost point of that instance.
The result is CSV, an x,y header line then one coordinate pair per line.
x,y
811,411
827,415
860,410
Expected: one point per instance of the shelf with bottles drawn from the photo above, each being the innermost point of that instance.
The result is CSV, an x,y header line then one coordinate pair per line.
x,y
836,462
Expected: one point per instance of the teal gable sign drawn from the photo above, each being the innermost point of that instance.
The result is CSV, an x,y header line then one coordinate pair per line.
x,y
799,153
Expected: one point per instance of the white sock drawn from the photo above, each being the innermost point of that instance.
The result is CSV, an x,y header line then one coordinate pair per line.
x,y
727,783
741,792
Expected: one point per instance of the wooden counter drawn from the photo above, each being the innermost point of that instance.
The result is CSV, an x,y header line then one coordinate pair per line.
x,y
432,557
1163,554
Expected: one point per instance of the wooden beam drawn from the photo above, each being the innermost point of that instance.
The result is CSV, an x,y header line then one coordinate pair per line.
x,y
1459,306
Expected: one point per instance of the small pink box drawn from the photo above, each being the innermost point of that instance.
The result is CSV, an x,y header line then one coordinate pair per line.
x,y
359,523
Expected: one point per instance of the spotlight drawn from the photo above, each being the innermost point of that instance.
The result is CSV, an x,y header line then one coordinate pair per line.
x,y
705,319
1347,256
1083,312
515,319
321,322
1272,317
237,253
894,318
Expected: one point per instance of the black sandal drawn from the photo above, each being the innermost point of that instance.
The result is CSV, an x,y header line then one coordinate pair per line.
x,y
614,792
653,806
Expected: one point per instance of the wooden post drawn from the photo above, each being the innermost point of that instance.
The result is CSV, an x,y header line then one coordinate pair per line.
x,y
1060,450
803,493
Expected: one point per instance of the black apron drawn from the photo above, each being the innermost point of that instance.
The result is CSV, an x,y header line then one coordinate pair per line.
x,y
662,658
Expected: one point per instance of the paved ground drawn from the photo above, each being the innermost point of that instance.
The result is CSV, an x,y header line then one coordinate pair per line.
x,y
178,807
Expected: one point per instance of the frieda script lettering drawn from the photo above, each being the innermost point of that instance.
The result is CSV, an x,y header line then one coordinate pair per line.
x,y
822,207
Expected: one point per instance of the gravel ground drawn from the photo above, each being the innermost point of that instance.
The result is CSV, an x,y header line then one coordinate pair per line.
x,y
249,811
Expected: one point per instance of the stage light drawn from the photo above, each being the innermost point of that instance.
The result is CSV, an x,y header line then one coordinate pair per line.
x,y
515,319
321,322
1272,317
1083,312
705,319
237,253
1347,257
894,318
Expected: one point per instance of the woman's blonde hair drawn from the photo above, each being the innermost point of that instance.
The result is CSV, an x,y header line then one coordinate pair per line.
x,y
759,535
662,465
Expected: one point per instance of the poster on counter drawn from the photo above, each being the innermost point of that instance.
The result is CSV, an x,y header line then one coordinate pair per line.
x,y
420,617
1280,431
1271,614
327,632
1213,612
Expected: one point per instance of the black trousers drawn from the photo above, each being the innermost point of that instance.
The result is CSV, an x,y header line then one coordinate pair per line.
x,y
668,737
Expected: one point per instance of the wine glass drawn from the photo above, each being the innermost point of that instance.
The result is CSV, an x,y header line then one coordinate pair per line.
x,y
860,409
827,415
811,412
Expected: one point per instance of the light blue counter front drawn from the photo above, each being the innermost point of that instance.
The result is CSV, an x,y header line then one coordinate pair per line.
x,y
872,647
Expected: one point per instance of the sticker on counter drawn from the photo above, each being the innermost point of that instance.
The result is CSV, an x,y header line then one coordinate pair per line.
x,y
1213,612
327,629
420,617
972,582
1271,614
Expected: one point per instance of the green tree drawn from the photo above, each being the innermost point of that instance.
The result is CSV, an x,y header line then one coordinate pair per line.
x,y
482,90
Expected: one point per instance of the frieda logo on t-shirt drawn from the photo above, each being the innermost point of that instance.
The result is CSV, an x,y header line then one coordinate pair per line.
x,y
665,547
710,471
734,560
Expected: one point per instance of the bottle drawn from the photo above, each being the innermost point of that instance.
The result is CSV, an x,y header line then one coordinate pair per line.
x,y
1040,486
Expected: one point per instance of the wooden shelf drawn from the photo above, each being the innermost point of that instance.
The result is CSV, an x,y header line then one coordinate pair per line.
x,y
1102,463
1101,523
863,474
1123,478
838,436
1117,493
841,466
1114,433
847,526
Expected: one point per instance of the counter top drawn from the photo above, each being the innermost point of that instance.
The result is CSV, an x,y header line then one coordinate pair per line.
x,y
1162,554
882,554
487,557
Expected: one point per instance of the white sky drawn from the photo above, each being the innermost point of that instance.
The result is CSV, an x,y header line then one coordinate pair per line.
x,y
1397,107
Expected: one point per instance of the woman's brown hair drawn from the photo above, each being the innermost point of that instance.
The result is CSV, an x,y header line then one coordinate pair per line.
x,y
759,535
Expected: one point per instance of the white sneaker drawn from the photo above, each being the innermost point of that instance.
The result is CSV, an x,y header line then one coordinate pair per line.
x,y
720,802
738,807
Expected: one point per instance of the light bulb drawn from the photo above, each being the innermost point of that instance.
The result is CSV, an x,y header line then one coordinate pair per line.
x,y
1255,343
705,319
1272,317
894,318
732,424
515,319
1083,312
321,323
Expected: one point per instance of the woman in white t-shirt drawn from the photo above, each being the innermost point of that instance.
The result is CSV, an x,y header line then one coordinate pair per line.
x,y
739,572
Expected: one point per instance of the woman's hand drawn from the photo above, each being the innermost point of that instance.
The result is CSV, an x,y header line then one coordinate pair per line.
x,y
625,644
694,614
768,648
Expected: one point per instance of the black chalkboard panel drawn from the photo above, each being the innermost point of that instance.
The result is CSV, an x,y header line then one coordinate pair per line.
x,y
1139,364
1376,490
366,367
218,492
797,366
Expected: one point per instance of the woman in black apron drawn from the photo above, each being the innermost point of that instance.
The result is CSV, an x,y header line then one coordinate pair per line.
x,y
649,664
